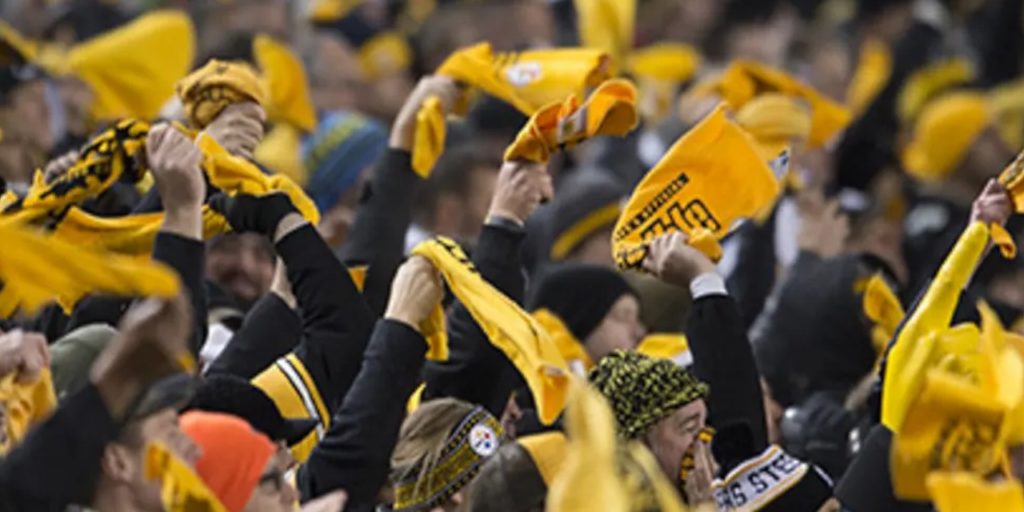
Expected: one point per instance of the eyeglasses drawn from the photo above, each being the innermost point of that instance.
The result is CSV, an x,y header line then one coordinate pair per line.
x,y
272,481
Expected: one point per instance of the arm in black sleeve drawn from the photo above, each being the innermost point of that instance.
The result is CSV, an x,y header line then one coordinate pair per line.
x,y
723,358
271,330
752,280
377,238
868,144
337,323
477,371
58,461
355,454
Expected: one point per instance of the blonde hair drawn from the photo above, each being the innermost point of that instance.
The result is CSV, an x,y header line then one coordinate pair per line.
x,y
423,437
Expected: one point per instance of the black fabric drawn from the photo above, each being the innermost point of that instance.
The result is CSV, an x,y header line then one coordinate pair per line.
x,y
377,237
253,214
477,371
754,276
236,396
867,484
580,295
271,329
58,461
356,452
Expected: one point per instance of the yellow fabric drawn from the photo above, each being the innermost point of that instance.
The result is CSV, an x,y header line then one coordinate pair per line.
x,y
577,233
744,80
285,84
24,406
236,175
943,133
588,479
528,80
324,11
775,116
906,362
607,25
385,54
281,151
1012,178
37,270
659,69
358,276
429,137
610,110
131,235
296,395
1004,241
664,346
928,83
874,67
548,452
964,492
181,489
883,308
572,350
526,344
210,89
1007,102
102,163
710,178
132,69
415,399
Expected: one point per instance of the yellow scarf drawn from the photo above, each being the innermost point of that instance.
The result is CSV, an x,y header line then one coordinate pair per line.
x,y
526,344
610,110
572,350
36,270
24,406
710,178
181,489
210,89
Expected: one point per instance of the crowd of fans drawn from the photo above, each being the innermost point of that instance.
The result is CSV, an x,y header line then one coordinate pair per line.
x,y
517,255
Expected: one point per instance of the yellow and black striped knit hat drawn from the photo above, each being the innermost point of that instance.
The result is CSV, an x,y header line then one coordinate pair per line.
x,y
642,390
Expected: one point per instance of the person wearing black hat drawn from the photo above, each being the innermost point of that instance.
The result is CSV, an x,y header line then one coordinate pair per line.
x,y
664,405
595,303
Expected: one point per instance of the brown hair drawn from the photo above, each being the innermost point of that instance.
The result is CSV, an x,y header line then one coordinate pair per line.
x,y
423,436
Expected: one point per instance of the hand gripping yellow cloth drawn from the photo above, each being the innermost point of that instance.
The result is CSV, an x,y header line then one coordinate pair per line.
x,y
181,489
210,89
710,178
24,406
610,110
1012,178
37,270
744,80
428,139
526,344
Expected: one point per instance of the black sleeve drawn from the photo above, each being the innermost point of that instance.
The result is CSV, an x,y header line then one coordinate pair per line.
x,y
271,330
868,145
355,455
377,238
58,462
752,280
336,321
186,257
723,358
867,484
476,370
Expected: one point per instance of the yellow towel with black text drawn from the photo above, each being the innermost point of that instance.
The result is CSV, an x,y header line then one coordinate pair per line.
x,y
526,344
709,179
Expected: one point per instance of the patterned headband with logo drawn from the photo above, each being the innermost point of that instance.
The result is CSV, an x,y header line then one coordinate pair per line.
x,y
472,441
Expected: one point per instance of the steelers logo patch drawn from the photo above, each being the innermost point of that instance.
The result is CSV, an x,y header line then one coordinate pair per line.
x,y
522,74
483,440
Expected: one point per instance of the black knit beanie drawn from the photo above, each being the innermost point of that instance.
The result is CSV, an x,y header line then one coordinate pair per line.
x,y
580,295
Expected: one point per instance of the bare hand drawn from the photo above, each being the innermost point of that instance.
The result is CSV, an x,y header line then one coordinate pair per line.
x,y
823,228
521,187
698,481
175,159
415,292
58,166
674,261
333,502
404,129
239,128
993,205
23,353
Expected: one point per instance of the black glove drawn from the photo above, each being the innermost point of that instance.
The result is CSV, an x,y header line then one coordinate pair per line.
x,y
253,214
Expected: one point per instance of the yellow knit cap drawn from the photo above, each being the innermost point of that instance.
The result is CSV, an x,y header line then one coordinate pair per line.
x,y
944,132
